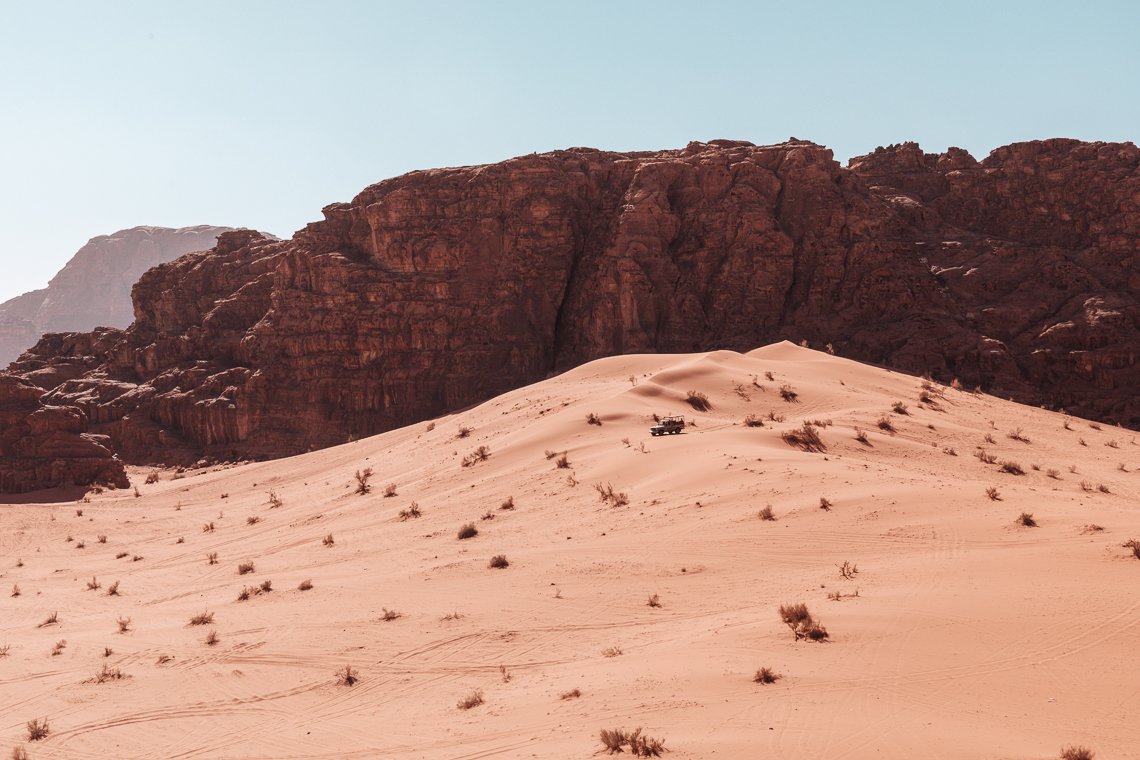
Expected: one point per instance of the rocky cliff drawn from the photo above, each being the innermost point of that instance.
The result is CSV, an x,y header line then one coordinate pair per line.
x,y
436,289
94,288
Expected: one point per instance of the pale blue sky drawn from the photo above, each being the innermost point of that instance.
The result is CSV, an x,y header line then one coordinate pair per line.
x,y
257,114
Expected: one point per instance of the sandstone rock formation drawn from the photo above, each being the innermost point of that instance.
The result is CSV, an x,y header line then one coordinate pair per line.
x,y
94,288
439,288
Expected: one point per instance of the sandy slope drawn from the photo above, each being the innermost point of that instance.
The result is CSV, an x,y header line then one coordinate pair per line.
x,y
970,637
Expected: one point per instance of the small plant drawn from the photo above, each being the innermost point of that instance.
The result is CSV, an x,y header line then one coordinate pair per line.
x,y
328,540
58,648
113,589
639,746
993,494
899,408
1072,468
474,699
766,676
988,438
607,492
949,450
407,514
305,585
1132,544
803,625
252,520
767,514
4,650
274,500
612,652
499,561
698,401
1094,426
824,503
107,651
847,570
38,729
80,545
508,504
266,586
430,426
181,540
362,477
478,455
562,462
1111,444
15,589
804,437
985,457
572,694
769,376
390,615
753,421
208,527
202,618
1077,752
52,619
468,531
654,601
861,436
107,674
885,423
1013,468
212,638
788,393
163,659
1102,488
93,584
1082,441
245,567
389,490
152,478
464,431
212,558
124,624
1026,519
19,753
137,494
245,593
1017,435
593,419
347,676
1086,486
550,454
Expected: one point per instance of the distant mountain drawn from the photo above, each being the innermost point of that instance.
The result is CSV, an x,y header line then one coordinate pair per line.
x,y
94,288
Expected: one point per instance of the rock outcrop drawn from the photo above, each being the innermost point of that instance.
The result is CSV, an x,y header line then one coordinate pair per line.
x,y
94,288
439,288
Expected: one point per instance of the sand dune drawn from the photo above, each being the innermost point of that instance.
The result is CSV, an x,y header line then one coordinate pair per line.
x,y
964,634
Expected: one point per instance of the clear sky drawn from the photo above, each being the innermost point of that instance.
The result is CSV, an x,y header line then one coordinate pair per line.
x,y
257,114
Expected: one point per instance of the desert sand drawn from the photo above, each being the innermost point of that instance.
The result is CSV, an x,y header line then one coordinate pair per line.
x,y
963,633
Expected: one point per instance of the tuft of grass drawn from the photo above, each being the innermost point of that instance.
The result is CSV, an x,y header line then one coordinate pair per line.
x,y
212,558
474,699
993,494
468,531
163,659
616,498
788,393
389,490
152,478
654,601
988,438
212,638
107,651
124,624
899,408
58,648
361,477
266,586
508,504
572,694
347,676
113,589
19,753
1026,519
985,457
478,455
1077,752
328,540
499,561
1094,426
410,513
1054,474
1013,468
861,436
593,419
245,567
767,514
305,585
252,520
1086,486
94,584
390,615
612,652
824,503
698,401
202,618
885,423
847,570
244,594
804,437
52,619
949,450
80,545
639,746
753,421
464,431
101,538
38,729
562,462
1017,435
766,676
4,649
108,674
274,500
15,589
1082,441
208,527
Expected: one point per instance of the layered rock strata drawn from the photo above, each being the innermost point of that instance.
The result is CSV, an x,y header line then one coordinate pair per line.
x,y
439,288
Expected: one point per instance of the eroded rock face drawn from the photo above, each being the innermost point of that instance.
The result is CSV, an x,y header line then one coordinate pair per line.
x,y
436,289
94,288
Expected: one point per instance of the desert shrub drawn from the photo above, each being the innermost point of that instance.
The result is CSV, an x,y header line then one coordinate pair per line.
x,y
1017,435
804,437
107,651
245,593
410,513
766,675
252,520
788,393
113,589
124,624
468,531
328,540
698,401
1102,488
274,500
362,477
52,619
550,454
390,490
769,376
861,436
824,503
847,570
4,649
988,438
163,659
1111,444
499,561
1086,486
654,601
474,699
639,746
101,538
1082,441
993,494
152,477
1132,544
181,540
212,558
985,457
19,753
38,729
949,450
212,638
390,615
347,676
607,493
899,408
464,431
612,652
562,462
137,494
266,586
58,648
80,545
795,616
1013,468
208,527
815,632
478,455
1026,519
202,618
1077,752
245,567
430,426
572,694
766,513
1094,426
305,585
508,504
885,423
593,419
15,589
93,584
613,739
753,421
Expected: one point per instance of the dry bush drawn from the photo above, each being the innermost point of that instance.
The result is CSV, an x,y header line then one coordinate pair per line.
x,y
654,601
245,567
390,490
861,436
430,426
212,638
499,561
766,675
390,615
1132,544
468,531
124,624
38,729
202,618
120,555
824,503
1077,752
1026,519
478,455
639,746
80,545
152,477
804,437
163,659
593,419
245,593
612,652
815,632
550,454
1034,466
107,651
1102,488
19,753
563,463
847,570
328,540
769,376
753,421
208,527
1017,435
767,514
4,650
52,619
15,589
362,477
949,450
788,393
1086,486
988,438
993,494
1111,444
488,515
137,494
252,520
410,513
1082,441
101,538
508,504
181,540
474,699
305,585
795,616
107,674
93,584
58,648
1013,468
113,589
698,401
615,498
885,423
266,586
212,558
985,457
572,694
347,676
899,408
464,431
274,500
1094,426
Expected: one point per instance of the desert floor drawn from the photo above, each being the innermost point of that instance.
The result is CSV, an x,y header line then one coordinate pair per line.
x,y
963,633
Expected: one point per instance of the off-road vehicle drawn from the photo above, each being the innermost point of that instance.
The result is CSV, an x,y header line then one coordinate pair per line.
x,y
674,423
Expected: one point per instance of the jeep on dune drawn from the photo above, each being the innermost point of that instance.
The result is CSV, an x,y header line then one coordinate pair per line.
x,y
674,423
